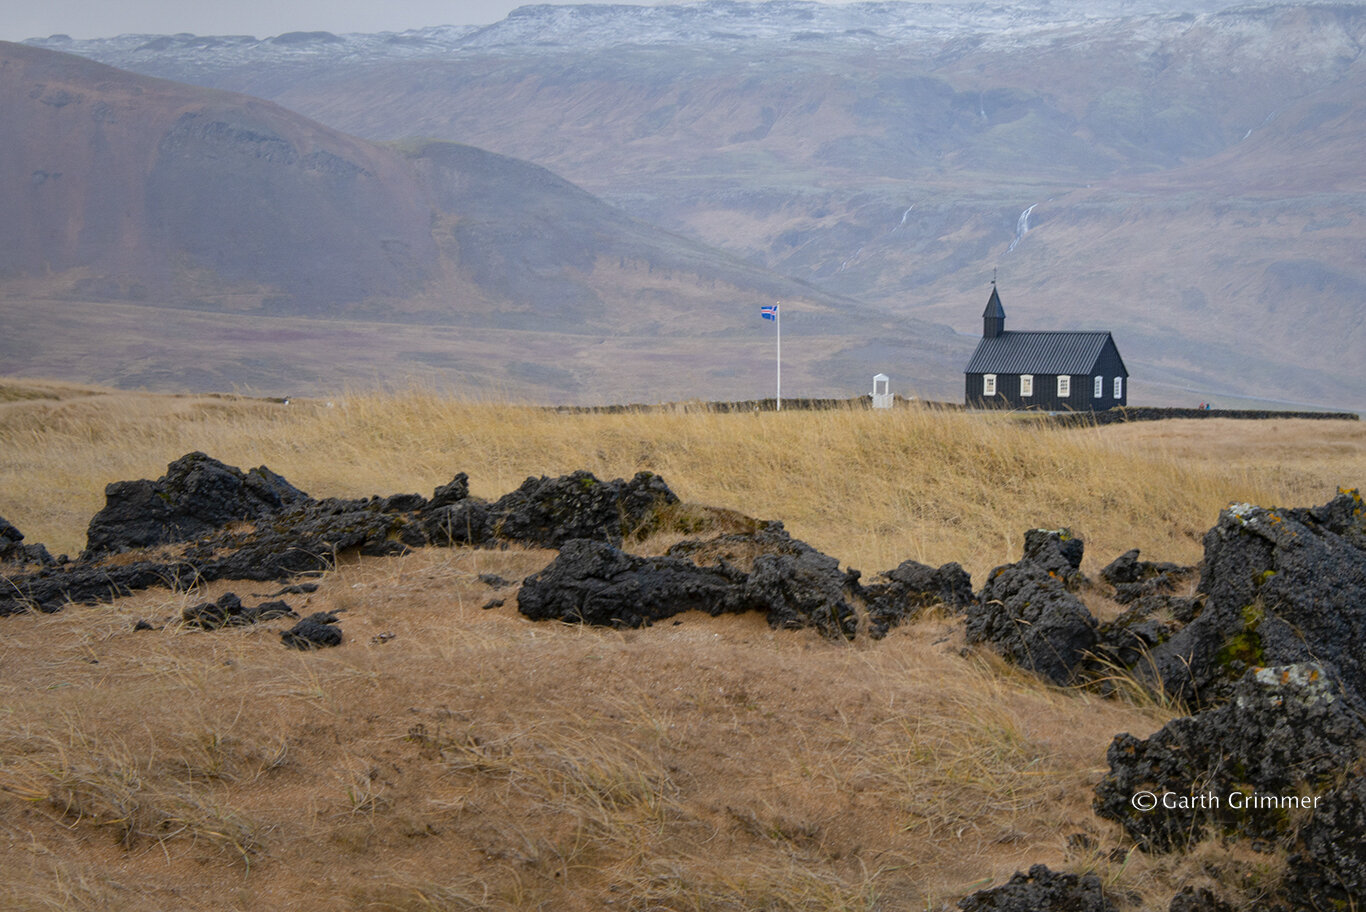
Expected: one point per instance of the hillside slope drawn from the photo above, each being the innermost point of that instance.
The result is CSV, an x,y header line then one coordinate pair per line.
x,y
1186,179
129,193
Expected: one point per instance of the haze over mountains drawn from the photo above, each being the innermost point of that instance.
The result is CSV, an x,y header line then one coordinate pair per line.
x,y
287,256
1185,175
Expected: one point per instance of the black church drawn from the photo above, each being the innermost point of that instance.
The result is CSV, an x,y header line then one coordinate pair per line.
x,y
1048,371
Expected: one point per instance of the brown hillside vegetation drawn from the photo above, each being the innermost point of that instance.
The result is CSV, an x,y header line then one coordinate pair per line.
x,y
450,755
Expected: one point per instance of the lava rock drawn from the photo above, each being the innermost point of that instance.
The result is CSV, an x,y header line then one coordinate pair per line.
x,y
1286,731
551,511
1329,872
1128,640
50,588
1280,587
229,611
805,589
1041,890
913,586
1134,578
12,551
739,549
795,585
1057,551
464,522
213,615
402,503
317,631
454,491
196,496
592,582
1026,614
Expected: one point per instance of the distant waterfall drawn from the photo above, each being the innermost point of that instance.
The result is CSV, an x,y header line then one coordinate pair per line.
x,y
1021,228
905,216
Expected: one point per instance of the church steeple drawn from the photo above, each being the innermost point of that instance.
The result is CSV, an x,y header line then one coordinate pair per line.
x,y
994,317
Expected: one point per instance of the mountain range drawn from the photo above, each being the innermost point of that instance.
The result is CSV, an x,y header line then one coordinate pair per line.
x,y
1185,175
167,235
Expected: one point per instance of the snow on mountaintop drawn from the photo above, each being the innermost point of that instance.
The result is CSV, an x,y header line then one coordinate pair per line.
x,y
715,22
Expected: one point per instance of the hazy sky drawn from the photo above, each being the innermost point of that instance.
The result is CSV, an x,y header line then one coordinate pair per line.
x,y
20,19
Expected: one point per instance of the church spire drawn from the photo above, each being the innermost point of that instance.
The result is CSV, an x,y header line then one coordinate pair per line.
x,y
994,317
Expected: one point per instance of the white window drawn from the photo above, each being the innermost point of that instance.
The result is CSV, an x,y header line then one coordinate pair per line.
x,y
1026,384
1100,387
1064,387
988,384
1119,387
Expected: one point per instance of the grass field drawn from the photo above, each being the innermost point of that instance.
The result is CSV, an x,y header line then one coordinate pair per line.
x,y
449,757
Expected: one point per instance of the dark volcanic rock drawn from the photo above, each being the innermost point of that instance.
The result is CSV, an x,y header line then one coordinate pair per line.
x,y
739,549
1026,613
314,632
911,587
806,589
199,498
304,538
229,611
792,583
1280,587
1126,641
1286,731
551,511
50,588
1041,890
596,583
212,615
1329,873
12,551
1133,578
464,522
1056,551
454,491
592,582
196,496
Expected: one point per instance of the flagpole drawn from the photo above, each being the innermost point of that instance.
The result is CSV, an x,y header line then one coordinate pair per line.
x,y
778,400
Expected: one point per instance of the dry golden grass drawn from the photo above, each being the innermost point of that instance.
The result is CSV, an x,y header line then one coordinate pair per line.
x,y
475,760
872,488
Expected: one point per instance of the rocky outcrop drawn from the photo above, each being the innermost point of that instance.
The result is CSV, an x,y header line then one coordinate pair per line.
x,y
317,631
214,521
1126,642
596,583
1042,890
13,551
551,511
228,611
1133,578
1328,872
591,582
1027,613
912,587
1057,552
1288,733
1279,587
197,495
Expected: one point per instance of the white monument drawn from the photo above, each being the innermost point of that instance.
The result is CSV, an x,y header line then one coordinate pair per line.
x,y
882,391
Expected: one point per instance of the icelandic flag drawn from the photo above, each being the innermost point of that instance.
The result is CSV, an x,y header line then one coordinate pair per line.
x,y
769,311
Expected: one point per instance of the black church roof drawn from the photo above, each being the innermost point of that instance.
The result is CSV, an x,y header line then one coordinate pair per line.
x,y
1014,352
